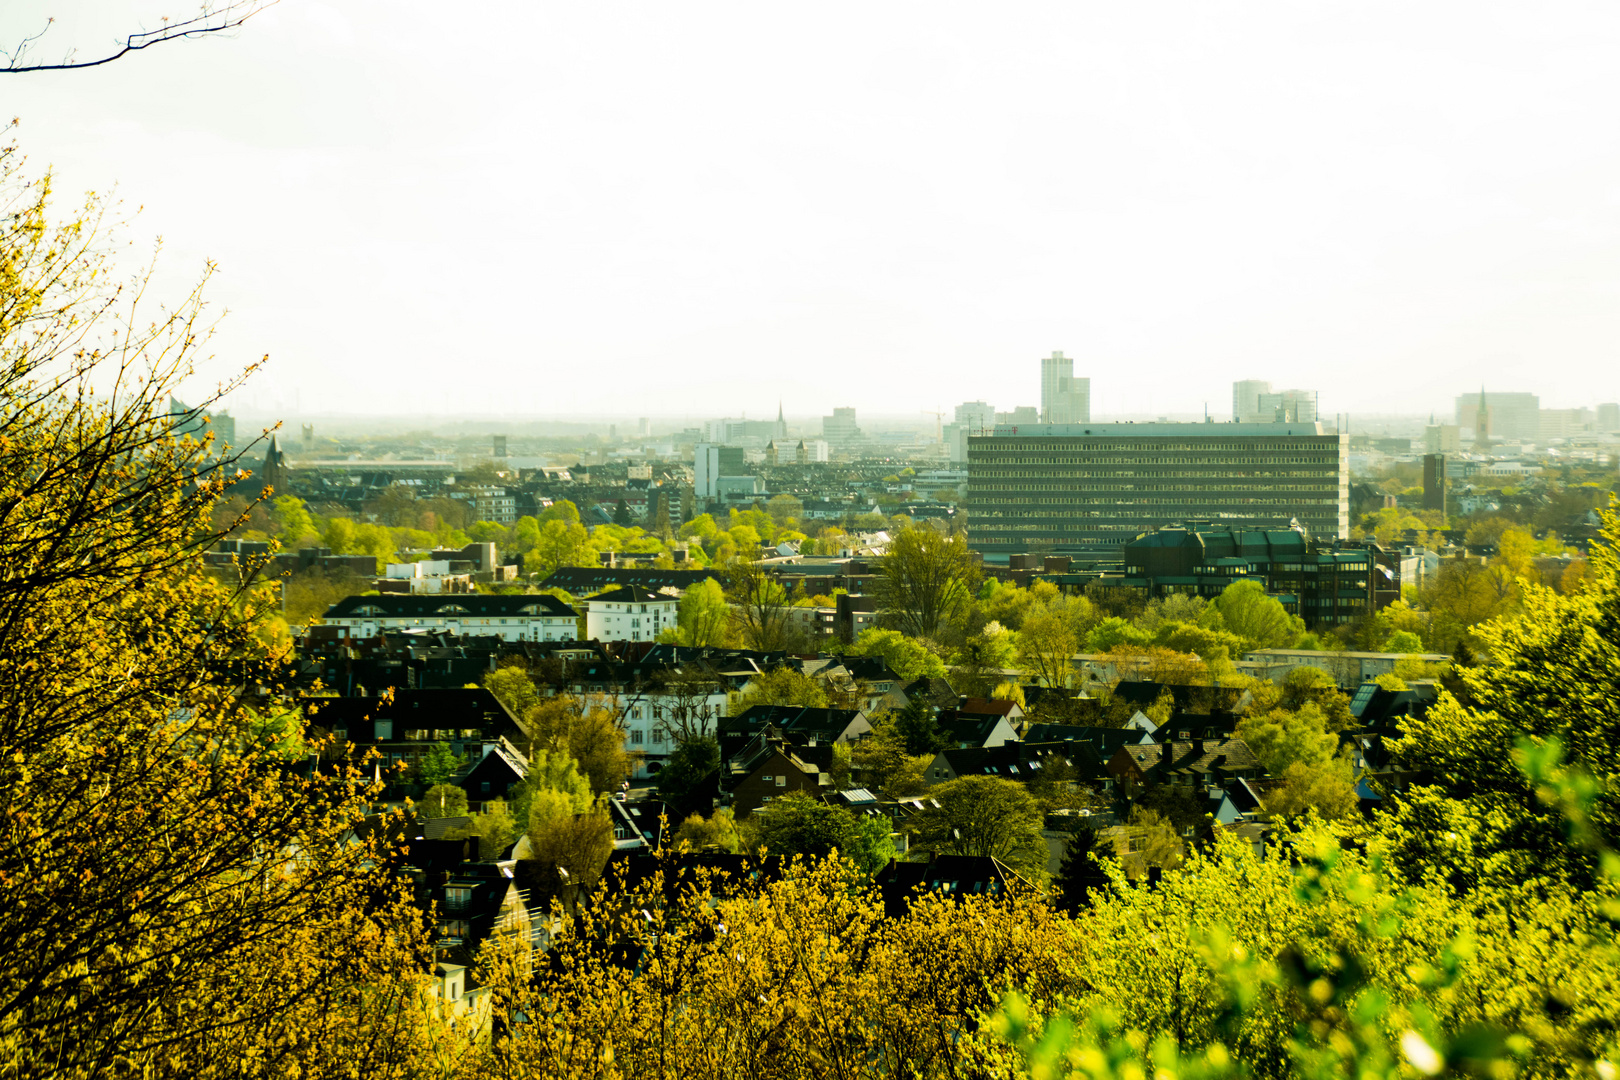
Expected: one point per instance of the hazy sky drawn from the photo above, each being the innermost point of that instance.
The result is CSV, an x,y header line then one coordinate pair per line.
x,y
700,208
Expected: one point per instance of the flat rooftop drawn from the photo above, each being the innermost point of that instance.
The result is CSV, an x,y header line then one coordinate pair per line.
x,y
1127,430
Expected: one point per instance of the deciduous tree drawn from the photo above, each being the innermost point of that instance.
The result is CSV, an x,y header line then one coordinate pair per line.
x,y
906,656
797,824
925,579
761,608
984,815
178,901
1246,611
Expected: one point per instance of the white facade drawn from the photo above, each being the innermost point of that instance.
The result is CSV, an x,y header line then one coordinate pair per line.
x,y
494,504
421,569
972,418
1442,439
1287,406
1246,398
649,725
705,469
612,619
1064,398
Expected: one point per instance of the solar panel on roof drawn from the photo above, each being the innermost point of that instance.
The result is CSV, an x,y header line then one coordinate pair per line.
x,y
1364,695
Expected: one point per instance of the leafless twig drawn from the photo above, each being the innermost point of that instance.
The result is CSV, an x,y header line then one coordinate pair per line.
x,y
210,20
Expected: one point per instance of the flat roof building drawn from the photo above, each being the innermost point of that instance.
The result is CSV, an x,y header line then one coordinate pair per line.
x,y
1089,488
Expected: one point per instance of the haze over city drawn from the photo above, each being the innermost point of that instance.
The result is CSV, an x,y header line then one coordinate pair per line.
x,y
702,210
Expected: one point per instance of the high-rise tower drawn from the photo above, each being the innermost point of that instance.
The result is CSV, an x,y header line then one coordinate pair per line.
x,y
1064,398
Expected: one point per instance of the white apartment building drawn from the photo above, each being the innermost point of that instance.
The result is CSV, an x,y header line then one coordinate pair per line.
x,y
627,613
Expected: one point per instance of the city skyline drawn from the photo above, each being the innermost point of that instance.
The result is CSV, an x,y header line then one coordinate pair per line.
x,y
942,205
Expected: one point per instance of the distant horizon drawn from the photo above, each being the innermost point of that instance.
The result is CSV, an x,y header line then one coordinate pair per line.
x,y
693,211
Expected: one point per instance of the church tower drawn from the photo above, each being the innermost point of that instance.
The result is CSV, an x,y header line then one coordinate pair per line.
x,y
1482,422
273,473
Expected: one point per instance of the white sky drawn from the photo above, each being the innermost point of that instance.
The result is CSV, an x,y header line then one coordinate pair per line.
x,y
698,208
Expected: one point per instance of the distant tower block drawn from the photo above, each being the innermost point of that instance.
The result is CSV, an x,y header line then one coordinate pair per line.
x,y
308,433
500,446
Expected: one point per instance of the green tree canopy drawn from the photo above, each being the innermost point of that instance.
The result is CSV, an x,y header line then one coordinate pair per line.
x,y
1250,614
1046,648
703,617
925,580
906,656
1282,737
1113,632
984,815
1554,673
917,728
796,824
443,800
438,764
780,686
561,510
513,687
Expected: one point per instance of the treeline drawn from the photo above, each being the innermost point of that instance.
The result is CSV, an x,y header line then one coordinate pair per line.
x,y
405,529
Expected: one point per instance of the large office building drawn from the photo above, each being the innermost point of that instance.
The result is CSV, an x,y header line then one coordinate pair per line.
x,y
1323,583
1087,489
1064,398
1254,402
1510,416
840,429
710,463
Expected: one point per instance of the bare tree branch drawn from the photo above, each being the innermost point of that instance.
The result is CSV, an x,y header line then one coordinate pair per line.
x,y
210,20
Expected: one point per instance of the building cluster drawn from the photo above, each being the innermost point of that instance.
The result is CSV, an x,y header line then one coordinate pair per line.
x,y
401,695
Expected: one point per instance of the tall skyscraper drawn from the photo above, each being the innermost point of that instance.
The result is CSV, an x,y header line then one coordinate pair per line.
x,y
1246,399
1064,398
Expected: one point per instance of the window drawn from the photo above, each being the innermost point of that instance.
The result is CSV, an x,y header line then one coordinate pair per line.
x,y
635,737
781,781
385,729
457,899
765,779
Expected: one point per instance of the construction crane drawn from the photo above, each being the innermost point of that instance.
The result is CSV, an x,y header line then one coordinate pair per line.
x,y
939,422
